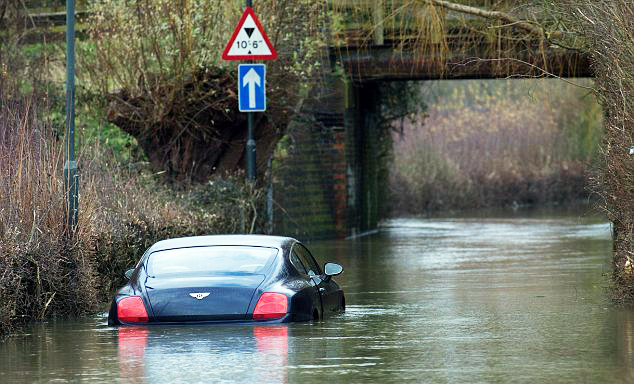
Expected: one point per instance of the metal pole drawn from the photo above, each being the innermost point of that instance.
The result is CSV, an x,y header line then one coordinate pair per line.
x,y
251,173
250,150
71,173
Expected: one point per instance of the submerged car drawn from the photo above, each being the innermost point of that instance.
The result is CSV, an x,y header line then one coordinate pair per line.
x,y
227,278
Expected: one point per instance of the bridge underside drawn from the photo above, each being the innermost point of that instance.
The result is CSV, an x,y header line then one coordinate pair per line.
x,y
384,63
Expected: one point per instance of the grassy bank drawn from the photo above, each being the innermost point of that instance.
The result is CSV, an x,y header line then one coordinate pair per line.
x,y
48,270
495,143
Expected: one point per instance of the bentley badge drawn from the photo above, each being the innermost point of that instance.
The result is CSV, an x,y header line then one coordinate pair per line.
x,y
199,295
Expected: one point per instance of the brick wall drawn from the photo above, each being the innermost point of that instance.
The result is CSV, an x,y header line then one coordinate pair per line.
x,y
310,170
325,170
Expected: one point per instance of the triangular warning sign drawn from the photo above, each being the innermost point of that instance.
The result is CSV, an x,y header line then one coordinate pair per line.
x,y
249,42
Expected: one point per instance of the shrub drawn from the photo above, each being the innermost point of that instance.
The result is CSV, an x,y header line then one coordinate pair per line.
x,y
608,36
160,63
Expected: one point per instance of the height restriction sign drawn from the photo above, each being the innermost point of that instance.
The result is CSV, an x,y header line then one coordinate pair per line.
x,y
249,42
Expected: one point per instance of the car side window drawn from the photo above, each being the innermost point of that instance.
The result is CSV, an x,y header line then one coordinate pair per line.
x,y
307,259
297,263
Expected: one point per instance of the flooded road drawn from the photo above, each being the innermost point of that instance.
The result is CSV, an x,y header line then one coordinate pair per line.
x,y
519,298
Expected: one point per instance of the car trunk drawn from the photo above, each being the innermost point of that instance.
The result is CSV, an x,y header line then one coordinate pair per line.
x,y
209,298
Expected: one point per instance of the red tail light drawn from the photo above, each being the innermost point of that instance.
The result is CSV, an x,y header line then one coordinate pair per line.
x,y
132,310
271,306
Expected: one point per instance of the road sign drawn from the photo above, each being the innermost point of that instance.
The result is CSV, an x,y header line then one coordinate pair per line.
x,y
249,42
252,87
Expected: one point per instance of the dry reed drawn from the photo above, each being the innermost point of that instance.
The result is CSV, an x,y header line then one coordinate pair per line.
x,y
492,146
47,270
42,269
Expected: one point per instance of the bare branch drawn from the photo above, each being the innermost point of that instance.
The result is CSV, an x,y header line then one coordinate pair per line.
x,y
544,73
505,17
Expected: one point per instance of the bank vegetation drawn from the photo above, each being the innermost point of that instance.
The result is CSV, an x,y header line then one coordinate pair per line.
x,y
501,143
154,58
608,36
48,269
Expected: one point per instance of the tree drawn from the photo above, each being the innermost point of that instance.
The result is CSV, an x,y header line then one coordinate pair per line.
x,y
159,62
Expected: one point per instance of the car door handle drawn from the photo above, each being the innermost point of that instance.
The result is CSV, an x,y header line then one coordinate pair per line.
x,y
322,290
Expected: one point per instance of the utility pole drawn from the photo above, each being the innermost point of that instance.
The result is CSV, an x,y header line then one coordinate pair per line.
x,y
71,173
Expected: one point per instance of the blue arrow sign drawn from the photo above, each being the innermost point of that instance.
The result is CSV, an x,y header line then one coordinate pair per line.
x,y
252,87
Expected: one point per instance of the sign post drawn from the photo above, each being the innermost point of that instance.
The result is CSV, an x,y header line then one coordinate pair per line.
x,y
251,98
249,42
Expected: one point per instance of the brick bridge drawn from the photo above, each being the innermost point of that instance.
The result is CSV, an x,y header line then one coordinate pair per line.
x,y
324,179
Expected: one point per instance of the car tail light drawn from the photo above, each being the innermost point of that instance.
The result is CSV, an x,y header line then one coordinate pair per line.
x,y
132,310
270,306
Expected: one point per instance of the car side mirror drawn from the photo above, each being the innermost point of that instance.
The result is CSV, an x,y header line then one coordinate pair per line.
x,y
332,269
128,273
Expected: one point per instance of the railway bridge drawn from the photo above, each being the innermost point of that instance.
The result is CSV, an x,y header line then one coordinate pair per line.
x,y
326,175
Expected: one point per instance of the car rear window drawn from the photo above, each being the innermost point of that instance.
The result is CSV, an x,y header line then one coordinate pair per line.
x,y
205,260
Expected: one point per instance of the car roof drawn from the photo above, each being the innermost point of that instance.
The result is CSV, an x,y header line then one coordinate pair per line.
x,y
212,240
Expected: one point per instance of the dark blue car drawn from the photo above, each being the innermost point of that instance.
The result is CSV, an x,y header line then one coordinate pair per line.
x,y
228,278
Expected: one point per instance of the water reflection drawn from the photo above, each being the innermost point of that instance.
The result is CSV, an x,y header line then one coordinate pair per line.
x,y
272,344
624,321
131,352
169,354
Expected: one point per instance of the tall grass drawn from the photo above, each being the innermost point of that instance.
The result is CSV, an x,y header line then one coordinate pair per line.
x,y
490,144
47,270
43,269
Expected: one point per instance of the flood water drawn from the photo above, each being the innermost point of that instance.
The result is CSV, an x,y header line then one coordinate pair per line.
x,y
514,298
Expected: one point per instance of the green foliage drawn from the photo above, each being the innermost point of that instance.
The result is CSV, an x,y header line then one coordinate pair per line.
x,y
389,105
96,132
399,100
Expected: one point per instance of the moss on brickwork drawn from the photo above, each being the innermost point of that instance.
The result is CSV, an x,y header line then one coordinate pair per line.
x,y
302,183
330,170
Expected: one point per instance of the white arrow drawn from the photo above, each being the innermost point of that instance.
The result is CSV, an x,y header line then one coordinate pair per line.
x,y
251,79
